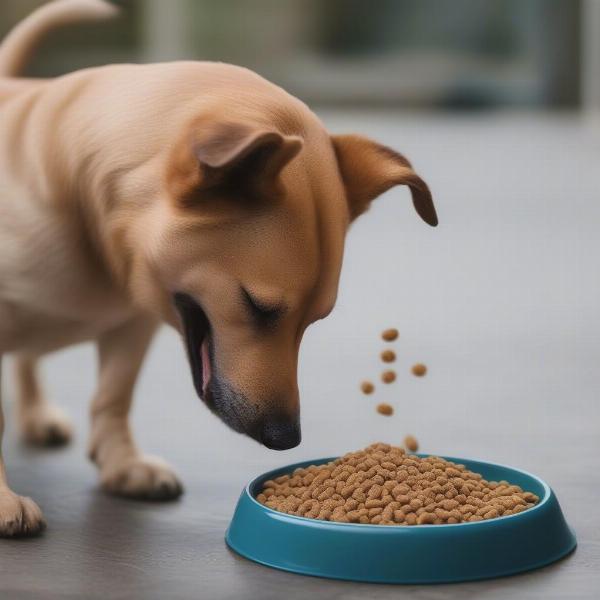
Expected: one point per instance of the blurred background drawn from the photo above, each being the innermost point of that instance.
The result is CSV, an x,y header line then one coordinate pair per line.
x,y
496,103
428,53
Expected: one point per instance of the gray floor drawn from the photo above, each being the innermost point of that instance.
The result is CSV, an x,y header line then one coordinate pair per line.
x,y
501,301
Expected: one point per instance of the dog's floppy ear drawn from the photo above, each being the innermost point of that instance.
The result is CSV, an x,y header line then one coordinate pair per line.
x,y
368,169
232,158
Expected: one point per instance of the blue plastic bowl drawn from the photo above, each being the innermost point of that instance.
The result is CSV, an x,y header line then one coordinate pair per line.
x,y
403,554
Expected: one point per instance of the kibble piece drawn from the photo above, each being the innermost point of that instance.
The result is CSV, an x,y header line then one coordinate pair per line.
x,y
411,443
388,376
367,387
426,518
389,335
383,485
388,356
419,370
385,409
411,519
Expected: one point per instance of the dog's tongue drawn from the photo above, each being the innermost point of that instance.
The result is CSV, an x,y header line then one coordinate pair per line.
x,y
205,364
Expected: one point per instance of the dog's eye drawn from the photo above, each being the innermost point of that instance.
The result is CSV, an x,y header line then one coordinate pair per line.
x,y
263,314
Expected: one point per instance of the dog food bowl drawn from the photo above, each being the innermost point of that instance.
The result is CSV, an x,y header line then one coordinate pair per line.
x,y
404,554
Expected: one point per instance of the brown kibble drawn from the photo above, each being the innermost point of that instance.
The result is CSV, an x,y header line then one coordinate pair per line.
x,y
339,514
411,443
375,503
388,376
388,512
367,387
419,370
389,335
529,497
415,503
383,485
388,356
411,519
385,409
399,516
426,518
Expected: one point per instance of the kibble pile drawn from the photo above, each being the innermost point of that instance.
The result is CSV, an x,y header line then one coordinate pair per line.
x,y
384,485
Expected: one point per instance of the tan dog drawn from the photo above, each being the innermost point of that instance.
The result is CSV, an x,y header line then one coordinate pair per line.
x,y
193,193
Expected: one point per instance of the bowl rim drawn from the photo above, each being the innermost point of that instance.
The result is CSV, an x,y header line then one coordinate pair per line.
x,y
397,529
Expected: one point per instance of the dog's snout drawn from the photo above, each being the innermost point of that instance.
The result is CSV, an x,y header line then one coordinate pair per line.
x,y
280,435
275,429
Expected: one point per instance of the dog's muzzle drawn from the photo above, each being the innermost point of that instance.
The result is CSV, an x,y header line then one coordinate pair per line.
x,y
273,430
269,427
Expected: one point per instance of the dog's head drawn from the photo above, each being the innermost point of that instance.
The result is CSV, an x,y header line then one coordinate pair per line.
x,y
248,250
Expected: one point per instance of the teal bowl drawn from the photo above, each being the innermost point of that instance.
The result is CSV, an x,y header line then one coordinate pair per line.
x,y
403,554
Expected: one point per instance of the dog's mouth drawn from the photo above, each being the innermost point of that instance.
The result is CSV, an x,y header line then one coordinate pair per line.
x,y
198,342
232,406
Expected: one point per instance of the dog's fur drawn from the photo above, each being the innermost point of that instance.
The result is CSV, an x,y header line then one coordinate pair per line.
x,y
193,193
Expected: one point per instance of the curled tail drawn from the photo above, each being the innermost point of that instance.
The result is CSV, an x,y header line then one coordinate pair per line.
x,y
18,46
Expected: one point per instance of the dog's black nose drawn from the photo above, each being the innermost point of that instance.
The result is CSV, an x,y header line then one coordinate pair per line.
x,y
280,435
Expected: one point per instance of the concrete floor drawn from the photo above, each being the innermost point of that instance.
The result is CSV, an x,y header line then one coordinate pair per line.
x,y
501,302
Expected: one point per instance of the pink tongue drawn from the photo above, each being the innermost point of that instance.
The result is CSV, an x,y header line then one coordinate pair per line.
x,y
205,364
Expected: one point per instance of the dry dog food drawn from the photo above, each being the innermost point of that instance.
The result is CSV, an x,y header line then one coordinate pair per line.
x,y
389,335
385,409
383,485
410,442
388,356
419,369
367,387
388,376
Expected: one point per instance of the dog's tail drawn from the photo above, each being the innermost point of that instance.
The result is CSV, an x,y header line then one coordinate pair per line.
x,y
18,46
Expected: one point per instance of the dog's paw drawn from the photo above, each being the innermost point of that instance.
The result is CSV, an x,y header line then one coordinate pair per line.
x,y
19,515
46,426
141,477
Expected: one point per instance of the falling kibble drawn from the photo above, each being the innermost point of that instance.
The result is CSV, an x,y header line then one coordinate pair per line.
x,y
410,442
389,335
367,387
388,356
388,376
385,409
419,370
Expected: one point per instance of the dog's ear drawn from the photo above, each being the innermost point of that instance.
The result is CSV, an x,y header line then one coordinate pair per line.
x,y
368,169
231,158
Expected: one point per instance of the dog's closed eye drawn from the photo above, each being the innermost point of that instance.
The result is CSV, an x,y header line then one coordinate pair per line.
x,y
264,314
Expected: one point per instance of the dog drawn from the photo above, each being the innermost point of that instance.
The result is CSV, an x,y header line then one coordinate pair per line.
x,y
196,194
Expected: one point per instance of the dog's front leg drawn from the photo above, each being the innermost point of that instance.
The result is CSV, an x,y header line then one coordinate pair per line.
x,y
124,470
18,515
